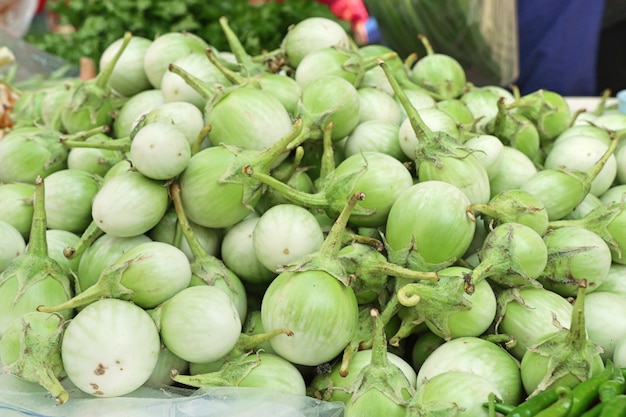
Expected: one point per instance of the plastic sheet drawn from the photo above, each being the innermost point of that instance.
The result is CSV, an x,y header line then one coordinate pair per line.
x,y
621,97
481,34
32,61
23,399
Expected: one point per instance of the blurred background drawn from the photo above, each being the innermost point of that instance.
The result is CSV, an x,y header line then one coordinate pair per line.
x,y
573,47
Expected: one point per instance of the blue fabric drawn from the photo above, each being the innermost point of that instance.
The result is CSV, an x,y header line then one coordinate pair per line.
x,y
558,45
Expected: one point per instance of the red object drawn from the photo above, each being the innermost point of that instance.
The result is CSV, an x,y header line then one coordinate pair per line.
x,y
352,11
40,6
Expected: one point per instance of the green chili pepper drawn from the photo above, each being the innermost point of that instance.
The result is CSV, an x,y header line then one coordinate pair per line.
x,y
561,406
533,405
499,407
586,392
594,411
616,406
612,388
493,405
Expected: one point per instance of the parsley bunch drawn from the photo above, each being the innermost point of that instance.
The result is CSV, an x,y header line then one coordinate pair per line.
x,y
97,23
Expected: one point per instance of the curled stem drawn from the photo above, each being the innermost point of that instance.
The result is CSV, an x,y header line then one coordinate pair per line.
x,y
408,296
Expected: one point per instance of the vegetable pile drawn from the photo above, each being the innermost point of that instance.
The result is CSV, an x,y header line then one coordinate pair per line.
x,y
324,220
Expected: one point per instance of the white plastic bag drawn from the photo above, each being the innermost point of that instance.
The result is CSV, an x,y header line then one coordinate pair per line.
x,y
16,16
23,399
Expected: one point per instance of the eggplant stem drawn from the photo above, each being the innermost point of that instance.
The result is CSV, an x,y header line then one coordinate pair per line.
x,y
379,342
332,243
108,286
183,223
417,123
595,169
37,241
235,45
427,45
102,79
197,144
230,75
408,296
577,336
89,236
206,90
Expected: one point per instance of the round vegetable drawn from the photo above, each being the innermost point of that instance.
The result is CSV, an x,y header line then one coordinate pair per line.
x,y
258,370
238,254
12,246
530,316
167,48
285,233
147,274
69,196
160,150
440,74
199,323
574,253
306,303
129,204
428,226
311,34
128,77
579,153
479,357
110,348
600,310
457,392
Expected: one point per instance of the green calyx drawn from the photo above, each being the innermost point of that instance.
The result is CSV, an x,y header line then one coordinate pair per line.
x,y
437,301
432,145
91,103
326,258
432,409
598,221
371,270
108,286
37,339
386,380
547,110
569,352
410,257
362,339
412,320
514,206
88,106
516,130
34,266
499,260
232,372
333,190
250,167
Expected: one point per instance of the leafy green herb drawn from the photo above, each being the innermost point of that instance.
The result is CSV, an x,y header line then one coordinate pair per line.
x,y
97,23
